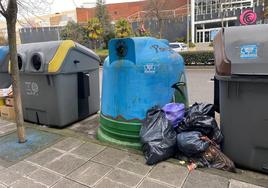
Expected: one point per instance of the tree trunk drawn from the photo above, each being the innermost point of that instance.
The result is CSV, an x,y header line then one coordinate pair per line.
x,y
95,44
160,28
11,20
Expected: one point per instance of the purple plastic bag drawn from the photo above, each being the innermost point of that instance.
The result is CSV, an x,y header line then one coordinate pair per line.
x,y
174,113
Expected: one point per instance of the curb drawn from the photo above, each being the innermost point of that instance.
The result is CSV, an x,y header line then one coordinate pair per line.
x,y
210,67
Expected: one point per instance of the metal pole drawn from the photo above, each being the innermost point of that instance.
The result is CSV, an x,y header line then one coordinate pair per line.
x,y
58,33
193,20
188,24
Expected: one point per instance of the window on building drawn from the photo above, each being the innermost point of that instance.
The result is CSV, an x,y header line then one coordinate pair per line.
x,y
229,5
214,6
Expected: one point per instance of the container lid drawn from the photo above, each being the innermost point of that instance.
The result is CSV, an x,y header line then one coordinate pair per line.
x,y
242,49
49,57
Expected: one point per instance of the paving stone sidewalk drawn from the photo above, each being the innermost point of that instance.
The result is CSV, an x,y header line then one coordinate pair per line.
x,y
76,163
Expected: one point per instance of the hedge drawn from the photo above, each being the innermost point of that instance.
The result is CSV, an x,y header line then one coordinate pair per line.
x,y
190,57
102,57
197,57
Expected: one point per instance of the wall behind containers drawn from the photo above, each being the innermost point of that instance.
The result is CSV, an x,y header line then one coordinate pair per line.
x,y
173,28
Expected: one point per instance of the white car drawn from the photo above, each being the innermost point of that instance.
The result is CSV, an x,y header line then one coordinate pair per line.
x,y
178,46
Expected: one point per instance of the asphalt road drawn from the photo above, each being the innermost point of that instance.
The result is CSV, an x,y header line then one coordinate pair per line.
x,y
200,86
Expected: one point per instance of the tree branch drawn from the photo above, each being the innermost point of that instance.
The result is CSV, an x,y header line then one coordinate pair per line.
x,y
2,11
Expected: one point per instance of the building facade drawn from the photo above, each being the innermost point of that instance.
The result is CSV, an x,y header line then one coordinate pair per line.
x,y
208,16
173,13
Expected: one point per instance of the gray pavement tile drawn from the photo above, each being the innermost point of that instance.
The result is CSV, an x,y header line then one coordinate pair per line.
x,y
110,156
7,177
23,168
68,144
5,164
135,163
148,183
65,164
136,158
90,173
88,126
88,150
198,179
27,183
172,174
137,168
124,177
4,122
65,183
7,128
45,177
239,184
1,168
107,183
44,157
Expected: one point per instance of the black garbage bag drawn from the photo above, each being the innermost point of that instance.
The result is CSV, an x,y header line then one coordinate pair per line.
x,y
158,137
200,118
202,109
191,144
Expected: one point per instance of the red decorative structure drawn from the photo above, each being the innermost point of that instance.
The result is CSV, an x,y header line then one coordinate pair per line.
x,y
248,17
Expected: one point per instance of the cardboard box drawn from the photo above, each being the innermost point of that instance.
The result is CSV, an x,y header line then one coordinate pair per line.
x,y
9,101
2,102
6,92
7,112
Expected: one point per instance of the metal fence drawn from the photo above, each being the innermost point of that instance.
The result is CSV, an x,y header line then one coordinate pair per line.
x,y
42,34
172,28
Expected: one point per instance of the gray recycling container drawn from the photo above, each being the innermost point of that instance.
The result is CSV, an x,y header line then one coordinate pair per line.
x,y
242,71
5,78
59,82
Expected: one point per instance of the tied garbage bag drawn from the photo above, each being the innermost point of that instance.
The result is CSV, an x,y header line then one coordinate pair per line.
x,y
205,124
174,113
158,137
199,118
200,151
202,109
190,143
214,158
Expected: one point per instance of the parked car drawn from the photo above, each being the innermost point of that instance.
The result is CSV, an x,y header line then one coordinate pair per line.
x,y
178,46
210,62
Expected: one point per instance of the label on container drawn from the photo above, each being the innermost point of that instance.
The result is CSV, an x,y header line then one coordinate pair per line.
x,y
249,51
31,88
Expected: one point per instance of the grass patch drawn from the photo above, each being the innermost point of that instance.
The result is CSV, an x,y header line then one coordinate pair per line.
x,y
102,52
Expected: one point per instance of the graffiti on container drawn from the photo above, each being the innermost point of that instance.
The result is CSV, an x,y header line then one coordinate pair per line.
x,y
161,49
149,68
31,88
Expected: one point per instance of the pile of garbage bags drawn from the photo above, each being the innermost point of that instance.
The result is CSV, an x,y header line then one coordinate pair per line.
x,y
191,135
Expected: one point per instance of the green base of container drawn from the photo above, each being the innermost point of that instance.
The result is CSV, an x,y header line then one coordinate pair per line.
x,y
119,132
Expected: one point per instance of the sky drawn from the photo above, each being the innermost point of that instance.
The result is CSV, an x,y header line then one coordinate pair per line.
x,y
63,5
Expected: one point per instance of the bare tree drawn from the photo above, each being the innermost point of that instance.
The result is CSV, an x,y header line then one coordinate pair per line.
x,y
154,10
265,14
3,39
10,14
9,10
